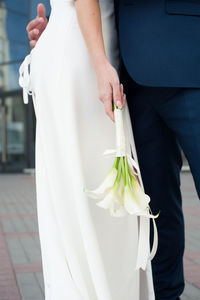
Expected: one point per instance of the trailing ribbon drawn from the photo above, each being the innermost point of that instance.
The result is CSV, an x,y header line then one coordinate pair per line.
x,y
24,78
144,255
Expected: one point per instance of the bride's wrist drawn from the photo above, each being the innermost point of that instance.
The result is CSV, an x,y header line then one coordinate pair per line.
x,y
100,63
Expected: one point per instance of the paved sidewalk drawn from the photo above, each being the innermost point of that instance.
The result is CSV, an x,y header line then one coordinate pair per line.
x,y
20,258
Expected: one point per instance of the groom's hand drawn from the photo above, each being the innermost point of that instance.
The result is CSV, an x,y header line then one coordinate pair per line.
x,y
36,27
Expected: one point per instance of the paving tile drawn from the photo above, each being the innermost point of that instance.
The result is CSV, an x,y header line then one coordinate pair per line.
x,y
30,247
191,208
8,286
7,225
29,287
28,268
198,262
16,251
191,292
40,280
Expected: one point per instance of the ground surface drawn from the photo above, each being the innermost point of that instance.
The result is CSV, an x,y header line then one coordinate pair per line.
x,y
20,257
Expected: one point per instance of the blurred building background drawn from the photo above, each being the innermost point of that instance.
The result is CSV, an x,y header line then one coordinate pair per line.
x,y
17,121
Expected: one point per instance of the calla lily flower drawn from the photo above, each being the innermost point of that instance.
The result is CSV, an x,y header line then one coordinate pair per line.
x,y
138,195
135,201
105,186
113,201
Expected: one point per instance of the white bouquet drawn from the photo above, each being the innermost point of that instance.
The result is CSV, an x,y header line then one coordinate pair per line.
x,y
120,192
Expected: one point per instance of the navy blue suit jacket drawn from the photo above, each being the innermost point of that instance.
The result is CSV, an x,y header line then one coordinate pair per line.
x,y
160,41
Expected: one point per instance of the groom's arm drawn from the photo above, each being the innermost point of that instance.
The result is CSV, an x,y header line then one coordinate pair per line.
x,y
36,27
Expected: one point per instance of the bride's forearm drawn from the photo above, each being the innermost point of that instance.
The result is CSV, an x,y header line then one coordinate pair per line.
x,y
89,17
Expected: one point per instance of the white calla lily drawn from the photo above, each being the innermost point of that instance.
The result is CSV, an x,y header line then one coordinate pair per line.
x,y
106,185
135,202
113,201
118,212
139,195
112,204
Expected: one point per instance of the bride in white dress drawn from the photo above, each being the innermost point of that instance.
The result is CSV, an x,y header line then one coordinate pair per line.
x,y
86,253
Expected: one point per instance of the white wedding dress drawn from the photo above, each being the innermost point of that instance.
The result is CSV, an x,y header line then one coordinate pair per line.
x,y
86,253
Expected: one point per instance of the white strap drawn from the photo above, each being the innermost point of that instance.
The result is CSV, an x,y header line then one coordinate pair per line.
x,y
24,78
143,243
155,241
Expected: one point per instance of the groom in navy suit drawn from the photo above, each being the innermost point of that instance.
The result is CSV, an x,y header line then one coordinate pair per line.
x,y
160,50
160,69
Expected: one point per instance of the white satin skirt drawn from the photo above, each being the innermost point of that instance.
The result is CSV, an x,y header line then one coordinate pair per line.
x,y
86,253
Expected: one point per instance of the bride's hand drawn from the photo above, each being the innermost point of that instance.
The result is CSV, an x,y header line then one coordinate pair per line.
x,y
109,88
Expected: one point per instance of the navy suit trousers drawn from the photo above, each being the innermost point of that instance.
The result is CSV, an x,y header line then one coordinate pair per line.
x,y
165,120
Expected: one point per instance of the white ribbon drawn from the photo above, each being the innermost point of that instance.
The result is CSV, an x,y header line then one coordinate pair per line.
x,y
24,78
120,133
113,152
144,255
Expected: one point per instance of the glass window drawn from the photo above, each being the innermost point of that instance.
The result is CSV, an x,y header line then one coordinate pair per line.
x,y
1,57
12,73
1,44
16,27
12,133
1,80
18,51
14,45
17,5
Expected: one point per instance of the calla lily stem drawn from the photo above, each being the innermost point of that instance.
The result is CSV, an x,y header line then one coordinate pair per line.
x,y
126,170
116,163
123,169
